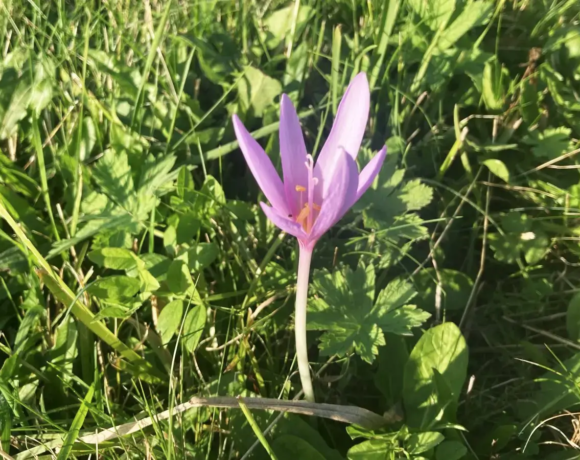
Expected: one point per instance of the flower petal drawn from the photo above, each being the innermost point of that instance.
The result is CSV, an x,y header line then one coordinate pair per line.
x,y
283,222
348,128
262,168
368,174
339,197
293,152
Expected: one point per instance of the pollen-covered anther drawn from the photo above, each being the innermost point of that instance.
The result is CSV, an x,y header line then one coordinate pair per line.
x,y
303,215
300,188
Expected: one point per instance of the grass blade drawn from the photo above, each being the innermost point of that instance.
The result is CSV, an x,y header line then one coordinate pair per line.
x,y
37,143
76,425
388,18
256,429
335,72
152,52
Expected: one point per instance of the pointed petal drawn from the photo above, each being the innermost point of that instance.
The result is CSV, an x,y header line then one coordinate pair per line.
x,y
368,174
349,125
261,166
293,152
337,201
283,222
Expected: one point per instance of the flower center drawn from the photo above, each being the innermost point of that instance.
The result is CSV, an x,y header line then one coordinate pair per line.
x,y
309,210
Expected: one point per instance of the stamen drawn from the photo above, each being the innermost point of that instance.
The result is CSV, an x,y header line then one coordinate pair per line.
x,y
301,218
311,184
300,188
315,207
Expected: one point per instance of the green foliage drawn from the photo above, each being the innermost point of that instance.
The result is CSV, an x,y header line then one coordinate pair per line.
x,y
346,310
521,235
257,90
434,376
137,269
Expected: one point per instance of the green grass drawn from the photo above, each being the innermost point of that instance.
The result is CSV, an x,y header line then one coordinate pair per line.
x,y
137,270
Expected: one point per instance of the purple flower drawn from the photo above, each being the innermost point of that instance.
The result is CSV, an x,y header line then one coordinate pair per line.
x,y
314,196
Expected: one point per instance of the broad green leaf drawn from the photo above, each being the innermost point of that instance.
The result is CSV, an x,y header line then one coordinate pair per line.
x,y
370,450
289,447
178,277
535,245
421,442
113,175
256,91
573,318
435,13
393,313
156,264
498,169
389,199
200,256
505,247
24,89
156,178
551,143
416,195
114,287
438,359
474,14
147,280
241,209
562,94
169,320
210,198
114,258
516,222
156,175
450,450
9,368
218,59
520,237
187,228
344,309
193,327
16,108
277,26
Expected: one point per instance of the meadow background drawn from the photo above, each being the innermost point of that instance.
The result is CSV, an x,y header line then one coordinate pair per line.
x,y
137,270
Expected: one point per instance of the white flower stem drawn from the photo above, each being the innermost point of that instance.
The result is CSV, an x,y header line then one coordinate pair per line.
x,y
304,258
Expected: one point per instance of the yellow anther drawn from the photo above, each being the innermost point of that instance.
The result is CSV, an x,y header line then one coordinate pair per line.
x,y
300,188
303,215
315,207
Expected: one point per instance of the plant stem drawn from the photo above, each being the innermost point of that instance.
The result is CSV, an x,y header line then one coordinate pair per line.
x,y
304,259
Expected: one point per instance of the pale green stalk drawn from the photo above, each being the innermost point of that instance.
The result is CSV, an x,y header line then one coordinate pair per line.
x,y
304,259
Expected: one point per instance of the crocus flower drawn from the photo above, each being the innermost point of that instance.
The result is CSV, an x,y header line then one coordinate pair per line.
x,y
314,195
